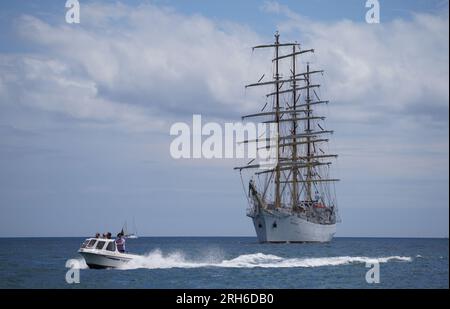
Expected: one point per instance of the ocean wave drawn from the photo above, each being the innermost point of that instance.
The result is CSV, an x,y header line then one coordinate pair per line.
x,y
157,260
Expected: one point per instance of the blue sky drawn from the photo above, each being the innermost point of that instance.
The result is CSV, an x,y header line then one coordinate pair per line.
x,y
85,112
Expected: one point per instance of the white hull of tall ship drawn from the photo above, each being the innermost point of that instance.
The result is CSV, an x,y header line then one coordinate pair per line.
x,y
282,226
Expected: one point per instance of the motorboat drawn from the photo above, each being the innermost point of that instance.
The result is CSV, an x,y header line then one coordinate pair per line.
x,y
103,253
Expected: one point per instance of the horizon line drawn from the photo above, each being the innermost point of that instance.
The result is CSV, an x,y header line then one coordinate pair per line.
x,y
386,237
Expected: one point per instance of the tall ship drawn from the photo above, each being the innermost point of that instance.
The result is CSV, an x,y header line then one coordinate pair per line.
x,y
294,199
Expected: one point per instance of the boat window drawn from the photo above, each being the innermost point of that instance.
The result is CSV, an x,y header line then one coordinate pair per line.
x,y
85,244
100,245
111,246
91,243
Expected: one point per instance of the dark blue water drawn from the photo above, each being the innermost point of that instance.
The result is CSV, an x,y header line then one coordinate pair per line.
x,y
232,262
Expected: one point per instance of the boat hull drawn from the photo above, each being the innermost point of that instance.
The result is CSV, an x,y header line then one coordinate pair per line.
x,y
98,260
278,227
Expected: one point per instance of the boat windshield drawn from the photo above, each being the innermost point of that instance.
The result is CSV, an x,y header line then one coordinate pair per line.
x,y
85,243
100,245
111,246
91,243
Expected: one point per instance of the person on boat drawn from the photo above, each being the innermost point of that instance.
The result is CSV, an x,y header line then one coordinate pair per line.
x,y
120,243
108,235
317,196
97,235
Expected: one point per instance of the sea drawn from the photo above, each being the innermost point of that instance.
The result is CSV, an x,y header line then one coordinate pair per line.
x,y
230,263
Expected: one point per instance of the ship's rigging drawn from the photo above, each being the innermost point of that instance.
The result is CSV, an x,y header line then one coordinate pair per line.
x,y
300,180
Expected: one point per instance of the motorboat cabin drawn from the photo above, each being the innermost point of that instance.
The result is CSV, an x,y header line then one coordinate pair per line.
x,y
103,253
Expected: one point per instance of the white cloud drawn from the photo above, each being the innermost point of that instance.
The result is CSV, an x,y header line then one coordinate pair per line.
x,y
388,84
49,85
378,71
142,68
146,60
149,63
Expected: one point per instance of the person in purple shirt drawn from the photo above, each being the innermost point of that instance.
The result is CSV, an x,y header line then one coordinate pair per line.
x,y
120,243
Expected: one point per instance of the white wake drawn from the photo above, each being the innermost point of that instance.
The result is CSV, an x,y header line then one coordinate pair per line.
x,y
77,263
157,260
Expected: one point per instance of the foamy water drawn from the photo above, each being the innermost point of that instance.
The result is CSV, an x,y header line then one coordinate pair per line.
x,y
157,260
78,263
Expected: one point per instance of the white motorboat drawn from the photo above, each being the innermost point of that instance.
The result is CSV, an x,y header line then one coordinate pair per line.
x,y
103,253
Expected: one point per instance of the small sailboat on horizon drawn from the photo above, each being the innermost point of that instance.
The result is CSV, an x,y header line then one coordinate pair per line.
x,y
133,234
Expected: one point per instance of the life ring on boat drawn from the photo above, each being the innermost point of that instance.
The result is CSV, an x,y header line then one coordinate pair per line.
x,y
319,205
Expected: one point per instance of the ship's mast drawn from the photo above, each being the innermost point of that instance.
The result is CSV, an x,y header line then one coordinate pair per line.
x,y
294,133
308,138
302,142
277,121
